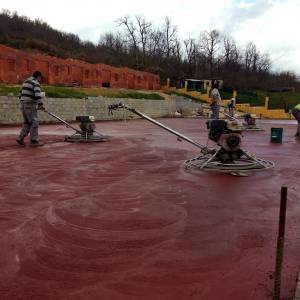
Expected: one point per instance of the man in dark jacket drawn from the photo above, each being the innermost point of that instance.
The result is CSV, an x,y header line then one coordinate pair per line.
x,y
296,114
31,100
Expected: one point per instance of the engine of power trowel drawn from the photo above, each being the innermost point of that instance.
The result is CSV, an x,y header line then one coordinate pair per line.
x,y
87,124
227,134
249,120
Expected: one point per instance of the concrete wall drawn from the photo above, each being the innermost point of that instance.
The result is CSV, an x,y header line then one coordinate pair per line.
x,y
16,65
68,109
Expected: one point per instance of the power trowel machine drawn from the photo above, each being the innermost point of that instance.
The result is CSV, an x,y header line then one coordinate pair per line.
x,y
87,132
228,157
249,123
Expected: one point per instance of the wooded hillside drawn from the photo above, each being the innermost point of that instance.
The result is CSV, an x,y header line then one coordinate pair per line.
x,y
137,43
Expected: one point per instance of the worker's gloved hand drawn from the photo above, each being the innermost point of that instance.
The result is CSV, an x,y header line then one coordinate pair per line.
x,y
41,106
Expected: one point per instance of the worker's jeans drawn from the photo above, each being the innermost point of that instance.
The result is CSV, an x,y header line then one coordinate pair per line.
x,y
296,114
30,122
215,111
231,112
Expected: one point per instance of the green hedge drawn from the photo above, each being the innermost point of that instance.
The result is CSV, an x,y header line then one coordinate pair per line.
x,y
284,101
254,98
225,95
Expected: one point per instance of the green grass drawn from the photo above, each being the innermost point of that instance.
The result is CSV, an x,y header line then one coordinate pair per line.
x,y
69,92
134,95
62,92
225,95
255,98
9,89
285,100
184,95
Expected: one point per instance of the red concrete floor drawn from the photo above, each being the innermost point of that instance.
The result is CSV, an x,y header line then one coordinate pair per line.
x,y
124,220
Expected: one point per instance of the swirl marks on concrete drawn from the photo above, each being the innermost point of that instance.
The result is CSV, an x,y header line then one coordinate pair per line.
x,y
84,238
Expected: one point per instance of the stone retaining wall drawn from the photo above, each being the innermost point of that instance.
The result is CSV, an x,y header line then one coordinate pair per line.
x,y
68,109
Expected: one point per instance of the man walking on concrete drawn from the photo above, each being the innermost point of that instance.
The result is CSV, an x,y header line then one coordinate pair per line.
x,y
31,101
215,101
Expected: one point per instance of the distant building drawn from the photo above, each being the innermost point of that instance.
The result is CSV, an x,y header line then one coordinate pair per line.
x,y
16,65
201,84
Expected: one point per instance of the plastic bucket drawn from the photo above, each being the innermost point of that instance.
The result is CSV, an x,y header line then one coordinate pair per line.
x,y
276,135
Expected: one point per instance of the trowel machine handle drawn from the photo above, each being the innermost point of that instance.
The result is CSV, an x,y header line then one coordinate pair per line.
x,y
115,106
61,120
180,136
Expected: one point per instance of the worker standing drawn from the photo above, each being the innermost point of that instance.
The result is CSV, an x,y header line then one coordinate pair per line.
x,y
296,114
31,100
231,107
215,101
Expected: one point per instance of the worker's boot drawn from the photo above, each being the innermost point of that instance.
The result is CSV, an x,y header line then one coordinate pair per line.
x,y
297,135
20,141
35,143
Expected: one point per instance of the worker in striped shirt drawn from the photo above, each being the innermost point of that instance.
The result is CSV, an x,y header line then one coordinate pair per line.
x,y
31,100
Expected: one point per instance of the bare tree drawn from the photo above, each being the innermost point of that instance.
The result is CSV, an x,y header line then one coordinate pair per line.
x,y
264,63
112,41
230,52
209,45
177,51
107,40
190,55
144,29
131,35
190,50
155,43
252,57
170,36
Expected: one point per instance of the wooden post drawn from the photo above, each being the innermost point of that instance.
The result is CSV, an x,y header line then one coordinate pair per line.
x,y
267,99
185,85
280,243
168,83
234,94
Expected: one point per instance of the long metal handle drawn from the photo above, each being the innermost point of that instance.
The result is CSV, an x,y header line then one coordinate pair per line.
x,y
230,117
61,120
181,136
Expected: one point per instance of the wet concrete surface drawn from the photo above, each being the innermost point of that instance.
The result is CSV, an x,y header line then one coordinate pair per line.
x,y
124,220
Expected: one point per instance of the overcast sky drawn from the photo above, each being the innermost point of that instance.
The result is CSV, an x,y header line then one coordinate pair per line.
x,y
273,25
